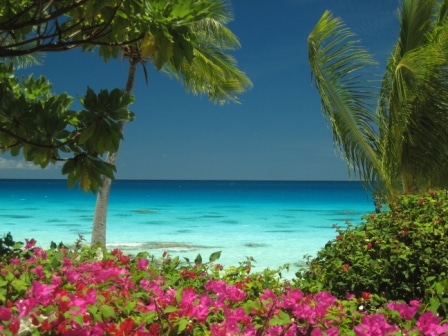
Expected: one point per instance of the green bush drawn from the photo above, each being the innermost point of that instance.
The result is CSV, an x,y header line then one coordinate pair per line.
x,y
401,253
8,247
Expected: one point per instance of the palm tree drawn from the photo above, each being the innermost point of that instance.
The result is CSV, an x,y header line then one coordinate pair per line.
x,y
188,40
393,133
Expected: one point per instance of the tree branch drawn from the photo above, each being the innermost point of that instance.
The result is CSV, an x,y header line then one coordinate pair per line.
x,y
14,24
22,140
49,36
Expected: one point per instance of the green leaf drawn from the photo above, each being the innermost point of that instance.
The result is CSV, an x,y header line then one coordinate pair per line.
x,y
282,319
179,294
90,100
170,309
215,256
86,134
9,276
130,306
78,318
19,285
93,310
198,259
68,166
183,323
107,311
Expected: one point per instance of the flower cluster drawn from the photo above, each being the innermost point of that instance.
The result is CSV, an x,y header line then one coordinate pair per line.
x,y
63,292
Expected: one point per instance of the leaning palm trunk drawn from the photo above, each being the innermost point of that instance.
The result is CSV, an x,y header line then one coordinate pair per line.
x,y
100,217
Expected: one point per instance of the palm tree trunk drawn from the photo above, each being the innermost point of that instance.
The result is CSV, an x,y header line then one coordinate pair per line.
x,y
102,200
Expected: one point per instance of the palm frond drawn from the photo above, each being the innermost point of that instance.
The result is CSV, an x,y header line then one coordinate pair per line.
x,y
214,74
416,20
212,71
348,93
215,31
413,98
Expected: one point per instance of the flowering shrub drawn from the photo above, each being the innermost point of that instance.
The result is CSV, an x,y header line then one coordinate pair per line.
x,y
400,254
93,292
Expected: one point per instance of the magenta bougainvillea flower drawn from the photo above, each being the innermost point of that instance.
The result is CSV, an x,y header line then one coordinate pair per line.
x,y
62,292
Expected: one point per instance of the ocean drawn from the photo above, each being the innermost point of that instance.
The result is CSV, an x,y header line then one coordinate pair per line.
x,y
274,222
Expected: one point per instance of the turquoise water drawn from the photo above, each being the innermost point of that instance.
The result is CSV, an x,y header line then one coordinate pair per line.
x,y
273,222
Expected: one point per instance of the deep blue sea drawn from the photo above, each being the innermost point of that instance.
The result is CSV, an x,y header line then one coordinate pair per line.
x,y
273,222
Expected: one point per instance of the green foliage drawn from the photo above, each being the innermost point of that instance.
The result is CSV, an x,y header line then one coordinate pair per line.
x,y
8,247
27,26
398,254
38,123
391,127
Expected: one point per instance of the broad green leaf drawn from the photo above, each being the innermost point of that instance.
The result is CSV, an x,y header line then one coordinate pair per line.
x,y
170,309
215,256
281,319
182,324
198,259
107,311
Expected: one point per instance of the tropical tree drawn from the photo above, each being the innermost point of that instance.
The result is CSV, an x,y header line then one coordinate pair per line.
x,y
38,123
29,26
186,39
392,132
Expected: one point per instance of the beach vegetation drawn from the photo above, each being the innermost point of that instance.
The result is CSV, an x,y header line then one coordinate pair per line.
x,y
390,127
84,291
397,254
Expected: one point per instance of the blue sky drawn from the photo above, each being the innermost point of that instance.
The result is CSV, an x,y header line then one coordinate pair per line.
x,y
276,133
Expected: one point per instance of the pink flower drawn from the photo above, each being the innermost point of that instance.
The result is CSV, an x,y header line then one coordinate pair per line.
x,y
81,302
349,296
374,325
72,276
329,332
42,293
66,262
224,291
195,306
40,253
202,309
142,264
333,331
406,311
231,323
216,286
5,314
39,272
14,326
56,280
268,295
325,299
429,325
25,306
235,294
15,261
29,244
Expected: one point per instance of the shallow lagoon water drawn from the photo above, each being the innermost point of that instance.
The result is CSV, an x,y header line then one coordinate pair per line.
x,y
273,222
